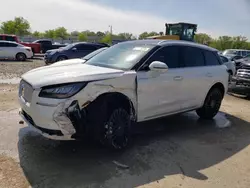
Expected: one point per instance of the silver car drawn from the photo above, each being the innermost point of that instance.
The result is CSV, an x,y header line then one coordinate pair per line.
x,y
13,50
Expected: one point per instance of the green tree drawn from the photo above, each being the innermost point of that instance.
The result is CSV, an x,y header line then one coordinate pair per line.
x,y
100,34
49,34
89,33
18,26
202,38
146,34
125,36
107,39
75,33
38,34
61,33
82,37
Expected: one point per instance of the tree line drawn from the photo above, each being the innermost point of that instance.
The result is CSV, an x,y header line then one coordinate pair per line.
x,y
21,27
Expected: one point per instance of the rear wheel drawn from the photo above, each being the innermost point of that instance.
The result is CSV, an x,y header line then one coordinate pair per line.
x,y
61,58
20,57
211,105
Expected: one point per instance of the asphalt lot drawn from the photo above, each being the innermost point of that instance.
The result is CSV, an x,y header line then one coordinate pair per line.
x,y
177,151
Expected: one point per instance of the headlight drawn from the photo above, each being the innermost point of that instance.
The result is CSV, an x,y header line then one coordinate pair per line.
x,y
62,91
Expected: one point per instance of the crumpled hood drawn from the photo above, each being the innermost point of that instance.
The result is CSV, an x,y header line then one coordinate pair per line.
x,y
68,62
51,75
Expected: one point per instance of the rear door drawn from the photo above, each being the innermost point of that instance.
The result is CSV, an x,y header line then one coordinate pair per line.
x,y
194,83
11,50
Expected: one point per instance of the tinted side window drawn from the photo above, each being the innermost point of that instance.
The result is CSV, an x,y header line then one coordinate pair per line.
x,y
168,55
243,53
12,45
1,38
3,44
192,57
10,38
85,47
211,59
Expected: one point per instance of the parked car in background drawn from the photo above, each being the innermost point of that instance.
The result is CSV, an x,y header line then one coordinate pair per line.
x,y
233,57
36,48
129,82
79,60
75,50
13,50
230,66
241,81
240,52
46,45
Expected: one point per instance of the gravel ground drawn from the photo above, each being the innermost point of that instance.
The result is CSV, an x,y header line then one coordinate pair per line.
x,y
178,151
14,69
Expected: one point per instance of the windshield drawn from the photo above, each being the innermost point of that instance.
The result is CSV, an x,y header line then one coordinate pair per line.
x,y
87,57
68,47
175,30
121,56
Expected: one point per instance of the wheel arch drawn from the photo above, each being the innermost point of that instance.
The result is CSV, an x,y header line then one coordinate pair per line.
x,y
117,99
218,85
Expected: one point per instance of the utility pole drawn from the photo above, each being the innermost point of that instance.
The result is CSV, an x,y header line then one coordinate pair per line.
x,y
111,32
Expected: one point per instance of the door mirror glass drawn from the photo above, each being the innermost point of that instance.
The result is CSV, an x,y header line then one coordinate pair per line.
x,y
74,49
158,66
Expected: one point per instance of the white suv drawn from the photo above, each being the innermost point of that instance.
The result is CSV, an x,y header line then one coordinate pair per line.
x,y
129,82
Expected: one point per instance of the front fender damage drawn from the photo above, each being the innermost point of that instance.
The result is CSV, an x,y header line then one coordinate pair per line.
x,y
72,116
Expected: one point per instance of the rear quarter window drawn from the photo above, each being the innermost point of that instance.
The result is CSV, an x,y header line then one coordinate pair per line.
x,y
211,58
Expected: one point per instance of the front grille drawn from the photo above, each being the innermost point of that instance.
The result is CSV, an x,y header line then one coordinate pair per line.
x,y
25,90
48,131
245,66
246,76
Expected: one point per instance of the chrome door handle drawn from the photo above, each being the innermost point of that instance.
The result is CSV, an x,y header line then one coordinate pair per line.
x,y
178,78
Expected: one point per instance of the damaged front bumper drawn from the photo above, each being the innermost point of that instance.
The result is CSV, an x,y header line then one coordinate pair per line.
x,y
48,133
60,122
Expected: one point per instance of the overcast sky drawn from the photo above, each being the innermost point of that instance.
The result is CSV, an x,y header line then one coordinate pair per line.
x,y
215,17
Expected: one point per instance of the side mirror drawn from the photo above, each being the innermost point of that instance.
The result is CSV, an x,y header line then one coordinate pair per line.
x,y
158,66
74,49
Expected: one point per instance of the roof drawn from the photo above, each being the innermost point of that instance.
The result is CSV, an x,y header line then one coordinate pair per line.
x,y
8,41
7,35
158,42
181,23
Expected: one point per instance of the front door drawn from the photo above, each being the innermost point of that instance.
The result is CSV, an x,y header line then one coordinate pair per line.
x,y
159,91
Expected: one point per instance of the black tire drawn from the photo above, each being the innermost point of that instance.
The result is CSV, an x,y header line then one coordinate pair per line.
x,y
211,105
21,57
61,58
117,130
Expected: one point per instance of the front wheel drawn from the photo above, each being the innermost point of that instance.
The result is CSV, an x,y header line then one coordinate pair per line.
x,y
61,58
117,129
20,57
211,105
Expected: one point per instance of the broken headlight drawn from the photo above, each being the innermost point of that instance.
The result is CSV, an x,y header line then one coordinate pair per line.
x,y
61,91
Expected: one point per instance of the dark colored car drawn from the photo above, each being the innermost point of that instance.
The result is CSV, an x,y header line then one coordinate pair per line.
x,y
75,50
241,81
46,45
